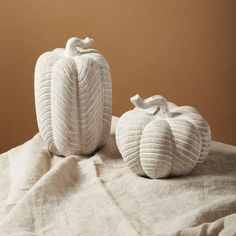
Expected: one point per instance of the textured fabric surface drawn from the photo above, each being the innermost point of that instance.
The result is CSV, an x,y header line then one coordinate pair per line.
x,y
168,142
73,97
42,194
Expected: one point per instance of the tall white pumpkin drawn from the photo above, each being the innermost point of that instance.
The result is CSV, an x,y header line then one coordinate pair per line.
x,y
159,139
73,95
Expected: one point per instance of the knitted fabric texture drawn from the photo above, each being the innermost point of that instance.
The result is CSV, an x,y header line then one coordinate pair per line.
x,y
163,142
73,98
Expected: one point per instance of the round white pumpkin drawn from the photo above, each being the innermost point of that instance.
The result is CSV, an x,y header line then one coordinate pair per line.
x,y
73,98
158,139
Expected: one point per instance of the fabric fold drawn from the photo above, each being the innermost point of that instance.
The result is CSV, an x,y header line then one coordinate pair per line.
x,y
44,194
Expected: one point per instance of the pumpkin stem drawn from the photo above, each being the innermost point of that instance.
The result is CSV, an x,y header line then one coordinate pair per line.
x,y
152,105
74,45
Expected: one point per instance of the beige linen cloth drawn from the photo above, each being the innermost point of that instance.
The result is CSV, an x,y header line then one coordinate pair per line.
x,y
42,194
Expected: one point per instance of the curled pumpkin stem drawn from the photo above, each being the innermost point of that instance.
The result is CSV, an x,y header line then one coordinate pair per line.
x,y
74,44
152,104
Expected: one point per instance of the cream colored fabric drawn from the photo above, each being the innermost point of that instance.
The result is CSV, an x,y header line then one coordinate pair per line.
x,y
41,194
73,98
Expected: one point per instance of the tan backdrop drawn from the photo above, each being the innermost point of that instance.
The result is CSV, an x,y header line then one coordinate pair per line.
x,y
183,49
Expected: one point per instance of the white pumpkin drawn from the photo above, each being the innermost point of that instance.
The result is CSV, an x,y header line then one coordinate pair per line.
x,y
73,98
159,139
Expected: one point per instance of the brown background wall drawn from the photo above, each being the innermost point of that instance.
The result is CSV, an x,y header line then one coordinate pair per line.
x,y
183,49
